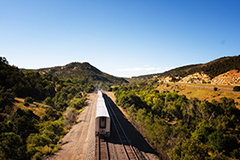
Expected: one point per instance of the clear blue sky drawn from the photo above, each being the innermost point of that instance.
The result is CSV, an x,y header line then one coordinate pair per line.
x,y
120,37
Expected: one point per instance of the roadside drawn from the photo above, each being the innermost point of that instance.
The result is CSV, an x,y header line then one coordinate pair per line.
x,y
79,142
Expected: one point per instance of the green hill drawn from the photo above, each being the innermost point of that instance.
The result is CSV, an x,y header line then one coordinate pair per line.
x,y
81,71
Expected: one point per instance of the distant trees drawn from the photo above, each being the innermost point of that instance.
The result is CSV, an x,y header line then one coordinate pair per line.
x,y
183,128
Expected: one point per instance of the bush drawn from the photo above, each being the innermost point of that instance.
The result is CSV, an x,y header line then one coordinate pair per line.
x,y
37,156
236,88
28,100
56,148
77,103
26,104
70,116
48,101
9,149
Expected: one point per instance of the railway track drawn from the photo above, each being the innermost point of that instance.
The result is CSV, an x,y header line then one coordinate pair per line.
x,y
102,149
127,149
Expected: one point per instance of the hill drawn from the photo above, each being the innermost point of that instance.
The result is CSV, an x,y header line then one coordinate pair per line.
x,y
212,69
81,71
174,71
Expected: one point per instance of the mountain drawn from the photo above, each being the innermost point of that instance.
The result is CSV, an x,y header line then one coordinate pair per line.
x,y
174,71
212,69
81,71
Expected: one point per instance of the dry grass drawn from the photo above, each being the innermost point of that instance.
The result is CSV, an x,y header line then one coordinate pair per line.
x,y
36,107
194,90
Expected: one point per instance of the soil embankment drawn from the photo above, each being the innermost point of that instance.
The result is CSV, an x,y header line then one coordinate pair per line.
x,y
79,143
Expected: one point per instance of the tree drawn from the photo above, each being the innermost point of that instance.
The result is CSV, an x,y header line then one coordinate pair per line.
x,y
28,100
6,99
48,101
11,146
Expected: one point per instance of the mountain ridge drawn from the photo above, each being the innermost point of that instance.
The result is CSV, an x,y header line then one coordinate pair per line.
x,y
81,71
213,68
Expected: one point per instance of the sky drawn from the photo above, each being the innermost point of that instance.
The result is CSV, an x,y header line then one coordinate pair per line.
x,y
123,38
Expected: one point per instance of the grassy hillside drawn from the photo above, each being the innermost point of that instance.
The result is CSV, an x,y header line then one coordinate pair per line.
x,y
82,71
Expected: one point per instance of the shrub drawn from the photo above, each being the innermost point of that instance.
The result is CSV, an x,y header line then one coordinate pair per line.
x,y
48,101
77,103
34,141
236,88
28,100
9,149
56,148
26,104
37,156
46,150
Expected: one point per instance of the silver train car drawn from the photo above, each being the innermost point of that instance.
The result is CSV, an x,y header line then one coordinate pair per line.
x,y
102,119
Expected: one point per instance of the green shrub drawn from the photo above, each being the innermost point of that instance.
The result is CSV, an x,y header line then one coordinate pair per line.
x,y
46,150
26,104
34,141
28,100
236,88
56,148
37,156
11,146
48,101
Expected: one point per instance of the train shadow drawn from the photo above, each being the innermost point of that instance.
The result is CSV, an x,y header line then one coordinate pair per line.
x,y
136,139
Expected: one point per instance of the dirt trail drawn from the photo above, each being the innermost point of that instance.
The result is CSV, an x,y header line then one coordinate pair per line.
x,y
79,143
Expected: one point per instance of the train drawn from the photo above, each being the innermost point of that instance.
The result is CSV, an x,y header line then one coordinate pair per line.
x,y
102,119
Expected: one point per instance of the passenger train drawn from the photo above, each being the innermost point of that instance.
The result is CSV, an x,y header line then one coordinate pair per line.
x,y
102,119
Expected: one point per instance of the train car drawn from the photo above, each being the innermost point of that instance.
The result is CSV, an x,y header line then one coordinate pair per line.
x,y
99,93
102,120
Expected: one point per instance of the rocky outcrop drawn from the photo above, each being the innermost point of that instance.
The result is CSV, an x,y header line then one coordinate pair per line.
x,y
229,78
196,78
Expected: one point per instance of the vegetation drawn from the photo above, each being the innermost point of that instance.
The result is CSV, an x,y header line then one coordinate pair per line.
x,y
236,88
181,128
25,135
174,71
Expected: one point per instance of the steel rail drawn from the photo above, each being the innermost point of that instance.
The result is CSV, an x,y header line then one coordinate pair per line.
x,y
102,153
138,153
119,124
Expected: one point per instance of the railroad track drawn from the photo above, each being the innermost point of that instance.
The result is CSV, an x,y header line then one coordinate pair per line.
x,y
127,148
102,149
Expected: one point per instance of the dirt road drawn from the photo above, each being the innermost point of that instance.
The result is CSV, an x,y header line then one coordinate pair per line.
x,y
79,143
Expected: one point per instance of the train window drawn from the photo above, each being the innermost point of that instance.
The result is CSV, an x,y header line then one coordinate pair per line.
x,y
103,122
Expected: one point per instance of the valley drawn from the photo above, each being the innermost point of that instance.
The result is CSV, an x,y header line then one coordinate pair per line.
x,y
167,109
